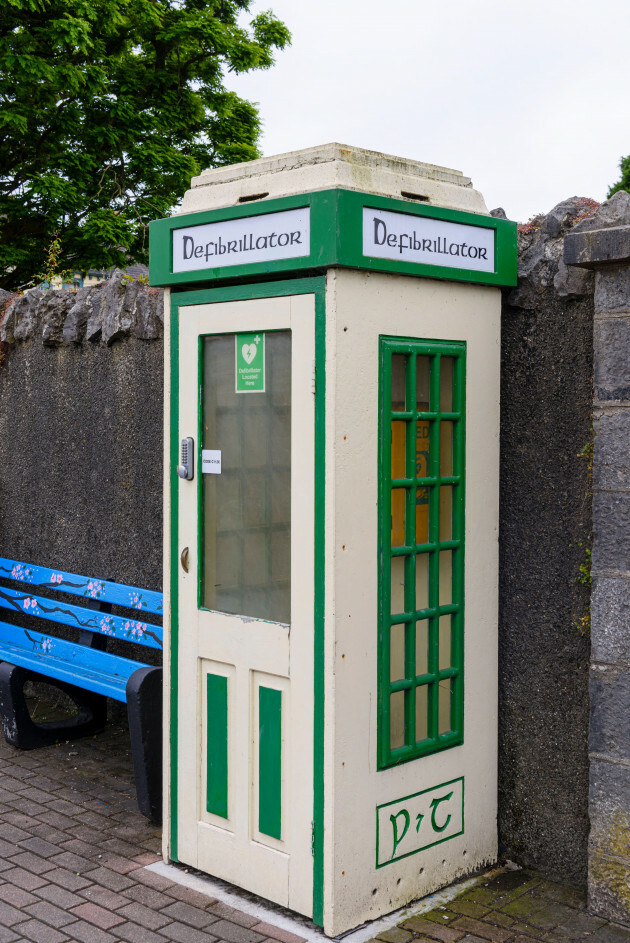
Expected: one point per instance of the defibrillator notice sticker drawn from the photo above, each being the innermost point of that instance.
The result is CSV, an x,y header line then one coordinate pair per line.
x,y
250,363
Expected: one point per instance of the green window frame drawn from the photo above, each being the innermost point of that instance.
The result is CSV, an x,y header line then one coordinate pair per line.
x,y
421,547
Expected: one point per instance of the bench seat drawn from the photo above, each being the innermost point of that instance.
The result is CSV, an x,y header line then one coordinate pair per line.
x,y
93,670
83,669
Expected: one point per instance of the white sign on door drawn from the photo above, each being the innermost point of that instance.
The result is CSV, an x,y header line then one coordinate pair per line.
x,y
211,461
263,238
406,238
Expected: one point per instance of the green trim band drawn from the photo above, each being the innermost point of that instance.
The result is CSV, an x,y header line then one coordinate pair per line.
x,y
270,762
174,577
336,240
217,745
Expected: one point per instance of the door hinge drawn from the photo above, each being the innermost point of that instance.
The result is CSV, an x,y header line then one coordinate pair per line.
x,y
314,376
313,839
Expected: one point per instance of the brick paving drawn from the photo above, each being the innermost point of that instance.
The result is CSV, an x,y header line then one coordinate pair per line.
x,y
511,906
73,850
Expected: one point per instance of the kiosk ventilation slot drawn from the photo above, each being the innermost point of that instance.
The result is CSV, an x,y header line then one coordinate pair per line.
x,y
420,197
254,196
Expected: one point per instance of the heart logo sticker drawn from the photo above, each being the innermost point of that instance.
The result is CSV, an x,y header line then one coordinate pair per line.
x,y
250,362
249,352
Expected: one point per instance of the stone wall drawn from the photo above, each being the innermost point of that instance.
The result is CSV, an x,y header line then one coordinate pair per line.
x,y
545,523
602,246
81,431
565,480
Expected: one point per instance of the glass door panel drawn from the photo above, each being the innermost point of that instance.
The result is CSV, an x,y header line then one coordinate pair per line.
x,y
247,507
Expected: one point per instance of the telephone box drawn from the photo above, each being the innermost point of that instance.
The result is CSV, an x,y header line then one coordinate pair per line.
x,y
331,519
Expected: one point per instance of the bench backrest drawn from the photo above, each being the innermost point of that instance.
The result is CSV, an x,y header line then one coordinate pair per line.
x,y
93,590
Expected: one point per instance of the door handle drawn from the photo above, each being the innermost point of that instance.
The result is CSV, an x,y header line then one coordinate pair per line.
x,y
184,559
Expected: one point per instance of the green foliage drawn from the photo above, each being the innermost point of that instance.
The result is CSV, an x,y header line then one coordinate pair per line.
x,y
52,268
624,183
584,569
584,575
107,109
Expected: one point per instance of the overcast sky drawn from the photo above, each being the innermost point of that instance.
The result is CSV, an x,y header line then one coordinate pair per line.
x,y
529,99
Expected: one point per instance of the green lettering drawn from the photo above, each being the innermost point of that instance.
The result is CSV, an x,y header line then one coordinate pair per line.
x,y
394,820
434,805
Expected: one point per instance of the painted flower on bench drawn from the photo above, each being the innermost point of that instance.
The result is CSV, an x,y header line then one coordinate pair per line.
x,y
107,625
94,589
136,601
30,605
56,578
40,643
135,629
23,573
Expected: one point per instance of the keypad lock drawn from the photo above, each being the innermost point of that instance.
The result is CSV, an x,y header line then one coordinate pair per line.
x,y
187,469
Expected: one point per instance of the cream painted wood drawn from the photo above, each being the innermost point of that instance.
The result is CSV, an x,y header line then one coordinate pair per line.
x,y
359,308
248,651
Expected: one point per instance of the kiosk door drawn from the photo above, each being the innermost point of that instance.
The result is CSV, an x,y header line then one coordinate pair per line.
x,y
246,586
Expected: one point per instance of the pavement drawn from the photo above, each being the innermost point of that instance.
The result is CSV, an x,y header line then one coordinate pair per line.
x,y
510,906
74,852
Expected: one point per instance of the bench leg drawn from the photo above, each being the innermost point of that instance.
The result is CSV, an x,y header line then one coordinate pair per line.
x,y
25,733
144,708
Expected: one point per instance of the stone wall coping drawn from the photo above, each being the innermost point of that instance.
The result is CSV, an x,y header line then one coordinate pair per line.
x,y
597,247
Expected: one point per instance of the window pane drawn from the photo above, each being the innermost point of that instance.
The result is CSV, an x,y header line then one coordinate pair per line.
x,y
422,713
446,577
229,514
445,642
446,384
397,719
446,448
422,515
446,512
247,508
397,585
253,431
422,448
422,581
422,647
399,380
398,449
422,383
281,497
444,706
397,653
398,517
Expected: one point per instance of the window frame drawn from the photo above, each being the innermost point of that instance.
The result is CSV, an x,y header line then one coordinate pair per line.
x,y
413,348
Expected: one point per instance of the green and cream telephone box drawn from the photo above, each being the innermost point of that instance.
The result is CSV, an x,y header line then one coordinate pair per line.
x,y
332,457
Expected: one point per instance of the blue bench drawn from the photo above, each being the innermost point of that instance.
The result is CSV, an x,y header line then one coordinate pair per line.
x,y
84,670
